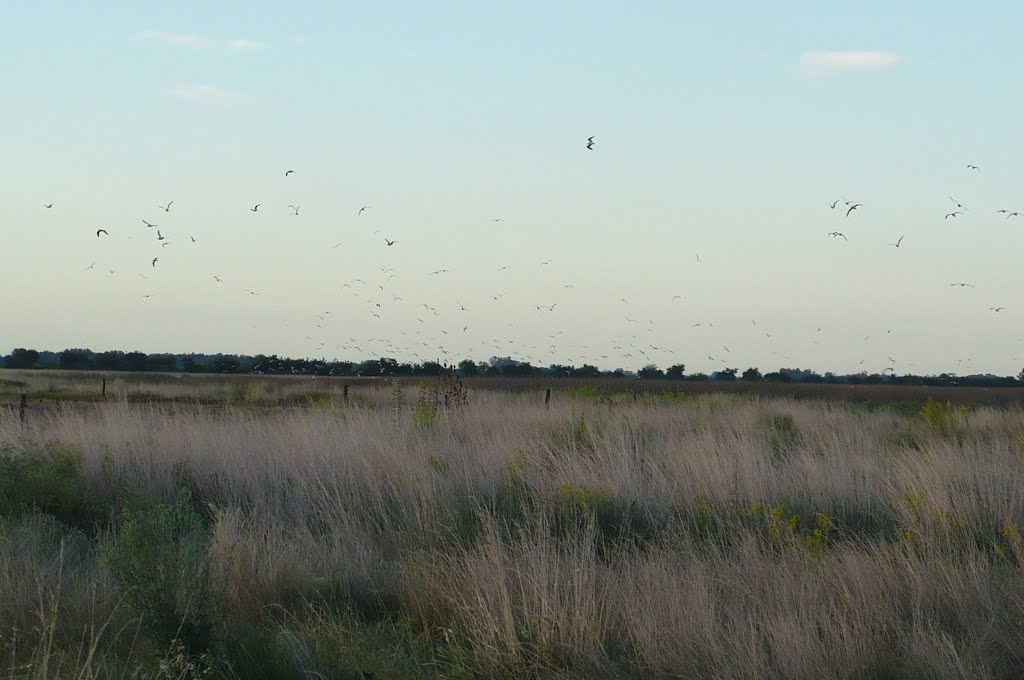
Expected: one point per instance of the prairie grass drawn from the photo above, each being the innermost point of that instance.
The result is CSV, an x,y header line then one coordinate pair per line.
x,y
729,536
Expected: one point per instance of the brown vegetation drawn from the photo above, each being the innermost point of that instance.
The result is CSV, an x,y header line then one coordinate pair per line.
x,y
670,535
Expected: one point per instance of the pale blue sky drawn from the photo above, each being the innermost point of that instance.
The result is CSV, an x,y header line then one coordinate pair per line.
x,y
723,130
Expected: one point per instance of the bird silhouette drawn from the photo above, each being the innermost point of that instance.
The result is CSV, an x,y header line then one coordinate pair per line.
x,y
150,225
101,231
289,172
166,208
590,143
997,309
852,208
295,209
958,203
973,167
897,244
953,214
365,207
155,260
961,284
48,205
255,208
834,204
838,234
390,242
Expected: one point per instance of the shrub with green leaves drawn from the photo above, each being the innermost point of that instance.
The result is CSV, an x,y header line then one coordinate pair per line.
x,y
159,558
47,480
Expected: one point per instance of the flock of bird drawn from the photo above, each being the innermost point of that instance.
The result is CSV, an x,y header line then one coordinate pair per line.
x,y
420,346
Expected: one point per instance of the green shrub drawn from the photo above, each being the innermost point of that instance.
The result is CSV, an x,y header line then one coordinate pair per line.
x,y
782,432
946,420
48,481
159,558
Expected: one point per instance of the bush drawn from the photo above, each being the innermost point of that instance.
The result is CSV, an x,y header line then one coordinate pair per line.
x,y
159,558
48,481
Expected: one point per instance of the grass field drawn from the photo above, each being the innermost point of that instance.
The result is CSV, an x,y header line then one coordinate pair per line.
x,y
236,527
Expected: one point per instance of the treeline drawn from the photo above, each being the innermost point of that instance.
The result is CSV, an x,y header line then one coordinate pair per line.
x,y
115,360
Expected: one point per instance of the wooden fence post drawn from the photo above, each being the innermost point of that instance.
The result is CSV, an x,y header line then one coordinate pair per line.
x,y
21,408
344,394
104,392
547,398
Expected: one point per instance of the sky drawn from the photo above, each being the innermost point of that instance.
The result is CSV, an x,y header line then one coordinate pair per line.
x,y
695,231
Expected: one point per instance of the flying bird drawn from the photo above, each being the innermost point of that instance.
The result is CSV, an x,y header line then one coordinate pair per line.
x,y
155,260
159,236
953,214
997,309
834,204
852,208
973,167
150,225
961,285
289,172
958,203
838,234
390,242
295,209
365,207
166,208
897,244
1013,214
101,231
590,143
48,205
255,208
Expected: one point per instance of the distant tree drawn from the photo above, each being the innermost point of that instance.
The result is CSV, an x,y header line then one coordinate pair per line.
x,y
468,367
165,363
696,377
650,371
587,371
430,368
675,372
778,376
134,361
108,361
75,359
225,365
752,374
1020,376
726,374
26,358
189,365
387,365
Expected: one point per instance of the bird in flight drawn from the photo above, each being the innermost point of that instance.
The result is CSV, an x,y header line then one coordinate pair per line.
x,y
255,208
193,239
997,309
166,208
958,203
150,225
838,234
289,172
218,279
973,167
852,208
365,207
390,242
961,285
698,259
159,236
897,244
1013,214
295,209
90,266
155,260
101,231
953,214
590,143
834,204
48,205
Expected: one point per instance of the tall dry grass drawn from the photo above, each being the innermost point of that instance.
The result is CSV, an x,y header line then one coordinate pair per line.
x,y
710,536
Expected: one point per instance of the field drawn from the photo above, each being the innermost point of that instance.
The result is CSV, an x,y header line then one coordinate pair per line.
x,y
237,527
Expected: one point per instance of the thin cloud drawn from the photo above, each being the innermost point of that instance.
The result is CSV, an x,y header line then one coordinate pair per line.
x,y
824,63
207,94
197,41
